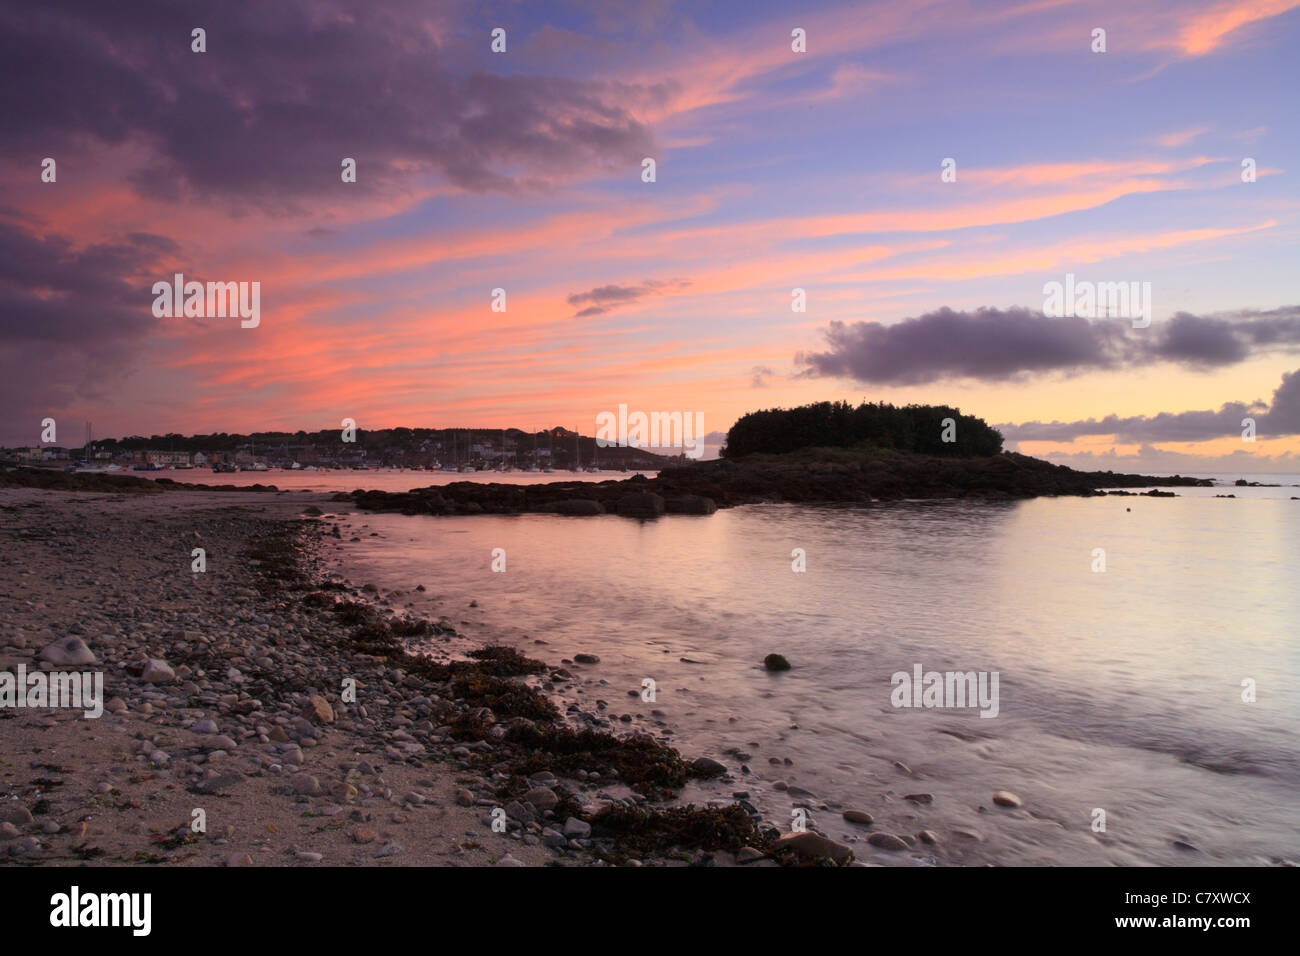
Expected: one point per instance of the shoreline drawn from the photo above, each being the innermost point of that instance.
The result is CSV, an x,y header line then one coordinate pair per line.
x,y
245,721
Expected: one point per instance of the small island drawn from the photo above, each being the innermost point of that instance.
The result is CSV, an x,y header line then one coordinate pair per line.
x,y
822,453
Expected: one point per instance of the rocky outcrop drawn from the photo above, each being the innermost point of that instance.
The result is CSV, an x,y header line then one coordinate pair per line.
x,y
838,475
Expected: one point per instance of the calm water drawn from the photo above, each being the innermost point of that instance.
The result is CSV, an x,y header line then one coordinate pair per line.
x,y
1118,690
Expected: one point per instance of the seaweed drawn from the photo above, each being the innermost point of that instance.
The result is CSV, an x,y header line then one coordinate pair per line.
x,y
640,832
641,762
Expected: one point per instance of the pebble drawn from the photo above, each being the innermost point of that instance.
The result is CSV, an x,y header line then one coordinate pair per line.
x,y
1005,798
68,651
15,813
575,828
707,766
887,841
543,798
814,846
157,671
318,710
859,816
303,783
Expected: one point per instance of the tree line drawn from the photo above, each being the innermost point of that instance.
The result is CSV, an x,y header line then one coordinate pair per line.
x,y
913,428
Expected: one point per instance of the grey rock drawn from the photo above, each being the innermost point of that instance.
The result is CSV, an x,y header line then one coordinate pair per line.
x,y
575,828
157,671
814,846
707,766
68,650
13,812
543,798
887,841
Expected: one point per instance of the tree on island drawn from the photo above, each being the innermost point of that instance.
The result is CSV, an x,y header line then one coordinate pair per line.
x,y
911,428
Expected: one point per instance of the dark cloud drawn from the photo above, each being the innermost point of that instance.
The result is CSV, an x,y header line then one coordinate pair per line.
x,y
606,298
759,376
285,91
1280,417
1004,344
71,315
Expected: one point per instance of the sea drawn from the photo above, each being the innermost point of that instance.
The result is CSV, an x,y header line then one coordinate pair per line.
x,y
1146,653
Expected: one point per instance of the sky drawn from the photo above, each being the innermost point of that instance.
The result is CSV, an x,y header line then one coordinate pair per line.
x,y
1165,160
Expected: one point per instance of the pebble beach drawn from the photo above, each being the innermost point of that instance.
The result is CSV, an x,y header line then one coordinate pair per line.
x,y
228,737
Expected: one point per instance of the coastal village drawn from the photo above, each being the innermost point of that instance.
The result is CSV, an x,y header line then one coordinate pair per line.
x,y
426,449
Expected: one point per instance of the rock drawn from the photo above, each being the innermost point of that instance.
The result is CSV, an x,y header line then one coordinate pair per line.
x,y
509,860
707,767
642,505
239,859
157,671
586,658
859,816
928,836
543,798
1005,798
391,848
364,835
318,710
887,841
309,857
115,706
219,784
814,846
15,813
68,650
206,727
573,827
522,812
577,506
554,838
303,783
464,798
747,854
690,505
775,662
925,799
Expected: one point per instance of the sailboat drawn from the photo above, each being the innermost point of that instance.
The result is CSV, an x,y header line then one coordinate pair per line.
x,y
467,467
87,467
